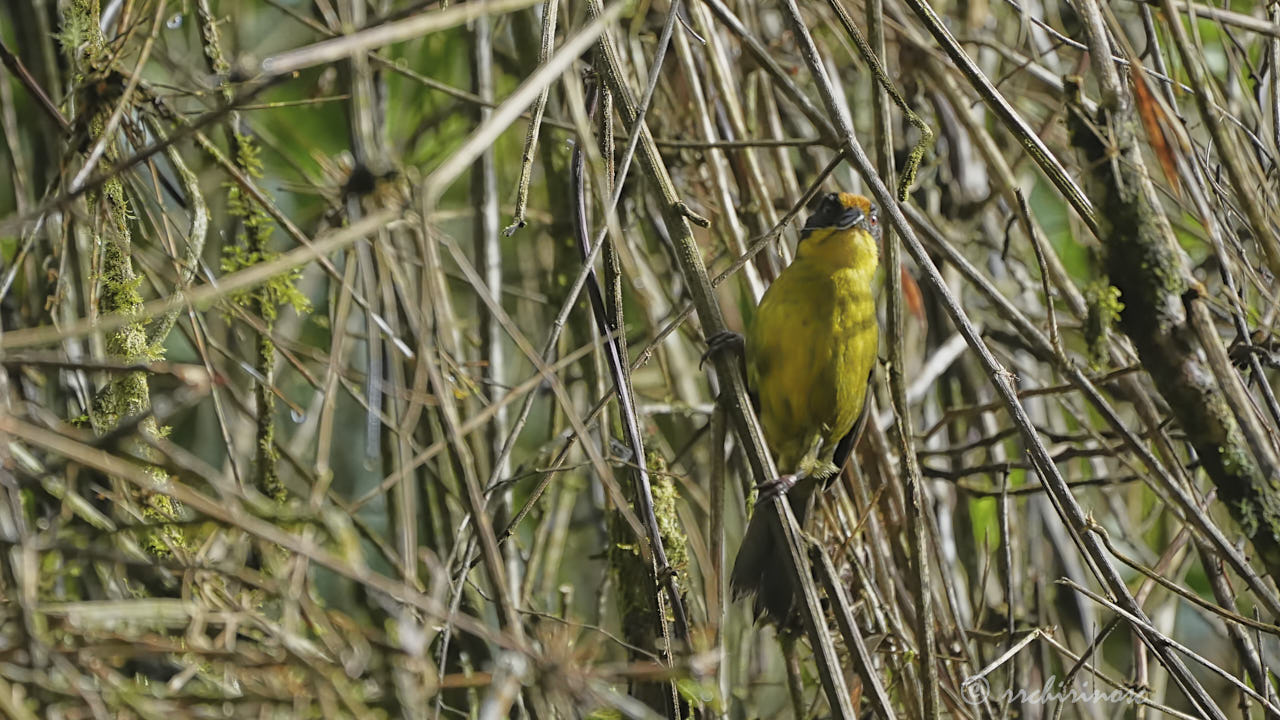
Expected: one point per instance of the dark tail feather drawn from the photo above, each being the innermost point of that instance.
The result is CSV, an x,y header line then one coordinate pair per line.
x,y
758,570
761,566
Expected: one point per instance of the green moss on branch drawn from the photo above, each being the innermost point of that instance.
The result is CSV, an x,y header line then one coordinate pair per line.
x,y
1150,270
129,394
252,247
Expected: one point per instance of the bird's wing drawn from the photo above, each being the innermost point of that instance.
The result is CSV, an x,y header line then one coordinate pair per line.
x,y
845,447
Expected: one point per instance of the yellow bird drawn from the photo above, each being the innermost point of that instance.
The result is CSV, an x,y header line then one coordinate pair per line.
x,y
810,352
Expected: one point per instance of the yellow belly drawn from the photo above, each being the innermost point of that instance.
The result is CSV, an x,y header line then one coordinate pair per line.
x,y
810,349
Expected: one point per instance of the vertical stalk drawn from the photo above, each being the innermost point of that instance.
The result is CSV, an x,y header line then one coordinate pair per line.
x,y
488,253
917,505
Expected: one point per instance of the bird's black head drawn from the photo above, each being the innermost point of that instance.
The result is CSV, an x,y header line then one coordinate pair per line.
x,y
842,211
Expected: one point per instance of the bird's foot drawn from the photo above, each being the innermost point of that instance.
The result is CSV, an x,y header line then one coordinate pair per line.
x,y
811,541
721,341
776,487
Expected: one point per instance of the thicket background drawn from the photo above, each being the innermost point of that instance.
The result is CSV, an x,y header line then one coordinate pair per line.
x,y
309,409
